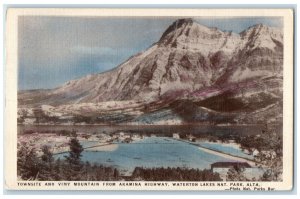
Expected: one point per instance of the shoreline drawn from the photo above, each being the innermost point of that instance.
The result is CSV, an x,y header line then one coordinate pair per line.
x,y
222,154
106,146
227,156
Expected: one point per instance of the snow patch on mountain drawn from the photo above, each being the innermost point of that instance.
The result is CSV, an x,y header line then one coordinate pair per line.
x,y
244,74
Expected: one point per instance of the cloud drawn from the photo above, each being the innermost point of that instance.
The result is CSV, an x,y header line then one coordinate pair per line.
x,y
100,51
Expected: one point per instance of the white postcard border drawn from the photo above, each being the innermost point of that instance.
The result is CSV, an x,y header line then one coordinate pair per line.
x,y
10,134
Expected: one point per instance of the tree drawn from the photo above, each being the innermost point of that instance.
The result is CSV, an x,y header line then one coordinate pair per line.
x,y
87,171
274,165
47,154
57,170
75,151
46,165
271,157
236,173
116,174
73,159
27,162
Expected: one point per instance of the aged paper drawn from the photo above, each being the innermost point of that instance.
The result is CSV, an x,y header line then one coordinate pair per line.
x,y
149,99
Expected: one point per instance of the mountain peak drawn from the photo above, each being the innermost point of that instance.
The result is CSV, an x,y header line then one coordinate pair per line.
x,y
176,25
187,34
182,21
184,29
260,28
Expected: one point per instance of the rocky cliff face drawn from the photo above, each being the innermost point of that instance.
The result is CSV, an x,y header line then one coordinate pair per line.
x,y
218,70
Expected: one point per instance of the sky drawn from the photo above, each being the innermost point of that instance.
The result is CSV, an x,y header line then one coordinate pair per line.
x,y
54,50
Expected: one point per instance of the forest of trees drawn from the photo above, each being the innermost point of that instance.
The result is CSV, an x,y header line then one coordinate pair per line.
x,y
270,146
30,166
71,168
174,174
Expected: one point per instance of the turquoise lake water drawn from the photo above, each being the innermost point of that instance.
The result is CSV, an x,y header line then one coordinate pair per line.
x,y
226,149
152,152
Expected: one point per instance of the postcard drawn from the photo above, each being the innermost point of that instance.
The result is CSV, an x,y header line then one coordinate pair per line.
x,y
149,99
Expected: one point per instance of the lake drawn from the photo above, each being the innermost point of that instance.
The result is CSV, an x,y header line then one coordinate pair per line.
x,y
156,151
152,152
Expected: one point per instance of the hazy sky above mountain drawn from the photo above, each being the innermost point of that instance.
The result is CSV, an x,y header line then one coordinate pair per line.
x,y
53,50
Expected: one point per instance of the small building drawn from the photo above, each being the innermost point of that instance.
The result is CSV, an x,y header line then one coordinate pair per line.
x,y
246,151
255,152
136,137
176,135
191,138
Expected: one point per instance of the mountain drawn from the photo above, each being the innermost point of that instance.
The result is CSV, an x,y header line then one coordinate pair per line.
x,y
221,75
